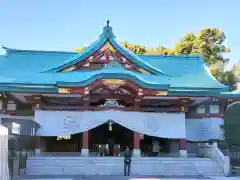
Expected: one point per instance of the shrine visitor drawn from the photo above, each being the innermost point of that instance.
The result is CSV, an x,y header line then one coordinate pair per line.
x,y
127,162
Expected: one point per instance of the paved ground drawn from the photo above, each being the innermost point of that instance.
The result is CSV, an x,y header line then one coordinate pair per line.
x,y
124,178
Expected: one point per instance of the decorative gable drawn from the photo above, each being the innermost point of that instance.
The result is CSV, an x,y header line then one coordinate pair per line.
x,y
107,55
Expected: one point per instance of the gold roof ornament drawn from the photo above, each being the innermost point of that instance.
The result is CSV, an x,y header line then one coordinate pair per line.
x,y
161,93
113,82
63,90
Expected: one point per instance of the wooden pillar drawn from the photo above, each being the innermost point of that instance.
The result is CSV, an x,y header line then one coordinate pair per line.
x,y
136,135
37,145
183,147
85,150
136,144
86,98
136,140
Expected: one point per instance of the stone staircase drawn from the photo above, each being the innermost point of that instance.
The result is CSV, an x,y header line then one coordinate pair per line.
x,y
163,166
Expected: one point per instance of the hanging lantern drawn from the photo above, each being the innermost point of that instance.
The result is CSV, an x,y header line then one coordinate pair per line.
x,y
110,125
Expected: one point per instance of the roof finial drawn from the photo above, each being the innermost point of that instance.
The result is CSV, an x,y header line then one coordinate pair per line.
x,y
107,31
108,22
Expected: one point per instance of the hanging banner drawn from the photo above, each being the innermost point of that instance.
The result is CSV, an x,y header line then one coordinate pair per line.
x,y
59,123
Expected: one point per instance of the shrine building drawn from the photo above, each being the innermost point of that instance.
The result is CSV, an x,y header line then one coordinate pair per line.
x,y
98,101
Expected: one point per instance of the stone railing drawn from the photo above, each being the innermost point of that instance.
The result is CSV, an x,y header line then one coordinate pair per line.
x,y
4,173
221,159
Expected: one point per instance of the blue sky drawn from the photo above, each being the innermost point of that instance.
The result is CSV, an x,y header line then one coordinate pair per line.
x,y
67,25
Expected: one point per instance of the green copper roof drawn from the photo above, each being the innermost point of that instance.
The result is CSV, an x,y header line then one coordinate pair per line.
x,y
38,69
82,78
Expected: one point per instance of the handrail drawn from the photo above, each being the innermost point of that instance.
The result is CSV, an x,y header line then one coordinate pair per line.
x,y
223,161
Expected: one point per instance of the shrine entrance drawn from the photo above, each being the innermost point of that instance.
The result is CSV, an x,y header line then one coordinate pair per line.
x,y
109,139
147,143
68,143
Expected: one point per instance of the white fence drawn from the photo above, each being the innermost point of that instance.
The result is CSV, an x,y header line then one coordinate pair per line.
x,y
4,174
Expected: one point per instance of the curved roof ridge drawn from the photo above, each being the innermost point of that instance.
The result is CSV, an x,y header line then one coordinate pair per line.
x,y
80,77
208,71
128,75
36,51
135,58
82,55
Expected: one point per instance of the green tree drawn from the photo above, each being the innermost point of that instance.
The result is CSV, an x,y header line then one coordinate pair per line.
x,y
79,49
232,124
212,48
208,42
161,50
135,48
236,69
186,45
228,78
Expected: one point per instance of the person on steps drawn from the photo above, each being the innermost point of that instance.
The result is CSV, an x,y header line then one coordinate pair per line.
x,y
127,161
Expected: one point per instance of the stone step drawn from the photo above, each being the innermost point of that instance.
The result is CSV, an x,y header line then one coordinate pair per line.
x,y
114,166
108,177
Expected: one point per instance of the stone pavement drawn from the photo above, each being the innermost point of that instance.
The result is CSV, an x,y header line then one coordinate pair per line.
x,y
123,178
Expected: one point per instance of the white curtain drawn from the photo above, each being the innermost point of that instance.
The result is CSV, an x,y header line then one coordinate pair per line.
x,y
4,173
204,129
56,123
165,125
61,123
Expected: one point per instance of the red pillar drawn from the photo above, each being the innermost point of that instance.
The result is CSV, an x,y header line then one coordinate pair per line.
x,y
183,144
136,140
136,144
37,145
85,150
183,147
85,140
37,142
